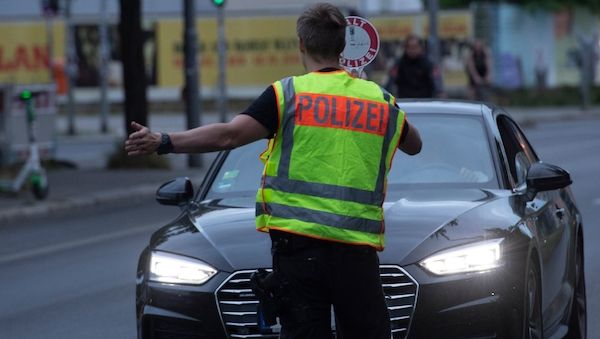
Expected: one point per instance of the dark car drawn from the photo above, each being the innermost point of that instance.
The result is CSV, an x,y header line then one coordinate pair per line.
x,y
483,240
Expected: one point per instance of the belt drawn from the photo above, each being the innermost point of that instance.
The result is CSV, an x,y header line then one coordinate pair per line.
x,y
286,242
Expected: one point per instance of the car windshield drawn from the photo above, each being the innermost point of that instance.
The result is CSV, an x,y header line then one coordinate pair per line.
x,y
456,153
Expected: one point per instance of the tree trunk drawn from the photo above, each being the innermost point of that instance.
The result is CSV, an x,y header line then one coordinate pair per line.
x,y
134,73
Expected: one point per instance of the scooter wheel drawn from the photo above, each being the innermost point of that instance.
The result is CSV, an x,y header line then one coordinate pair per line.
x,y
39,187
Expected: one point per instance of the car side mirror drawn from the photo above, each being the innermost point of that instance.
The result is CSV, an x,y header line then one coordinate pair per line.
x,y
176,192
546,177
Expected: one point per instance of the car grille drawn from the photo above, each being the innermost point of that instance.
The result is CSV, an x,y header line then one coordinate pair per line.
x,y
401,292
238,304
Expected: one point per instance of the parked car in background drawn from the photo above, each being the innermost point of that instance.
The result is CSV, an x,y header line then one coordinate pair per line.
x,y
483,239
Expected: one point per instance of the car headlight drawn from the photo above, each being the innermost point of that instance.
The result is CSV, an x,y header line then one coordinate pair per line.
x,y
480,256
176,269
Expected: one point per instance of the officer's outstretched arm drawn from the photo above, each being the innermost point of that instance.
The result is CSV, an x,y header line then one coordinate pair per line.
x,y
242,130
411,144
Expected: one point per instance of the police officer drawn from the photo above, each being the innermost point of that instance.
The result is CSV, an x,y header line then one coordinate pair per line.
x,y
332,139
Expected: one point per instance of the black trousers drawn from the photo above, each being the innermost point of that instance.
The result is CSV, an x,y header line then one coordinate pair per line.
x,y
323,274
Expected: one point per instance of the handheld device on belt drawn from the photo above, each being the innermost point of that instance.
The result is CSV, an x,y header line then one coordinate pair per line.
x,y
268,287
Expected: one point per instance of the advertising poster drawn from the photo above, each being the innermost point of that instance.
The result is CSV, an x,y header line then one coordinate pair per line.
x,y
263,49
24,55
87,47
259,51
570,26
455,31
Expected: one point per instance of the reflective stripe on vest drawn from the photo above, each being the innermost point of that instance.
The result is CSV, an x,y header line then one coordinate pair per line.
x,y
323,218
297,201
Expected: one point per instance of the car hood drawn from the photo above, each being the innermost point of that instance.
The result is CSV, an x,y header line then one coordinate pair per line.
x,y
222,232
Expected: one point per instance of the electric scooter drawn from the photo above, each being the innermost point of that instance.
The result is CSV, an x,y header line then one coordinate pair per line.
x,y
32,168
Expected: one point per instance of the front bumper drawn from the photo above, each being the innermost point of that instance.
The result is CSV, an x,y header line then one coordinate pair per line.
x,y
179,311
226,307
476,305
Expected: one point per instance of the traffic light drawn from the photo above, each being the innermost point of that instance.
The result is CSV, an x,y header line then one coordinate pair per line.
x,y
25,95
218,3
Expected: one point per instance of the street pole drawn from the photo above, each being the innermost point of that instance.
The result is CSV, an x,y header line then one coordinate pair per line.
x,y
434,45
71,69
50,41
586,52
191,74
222,95
103,58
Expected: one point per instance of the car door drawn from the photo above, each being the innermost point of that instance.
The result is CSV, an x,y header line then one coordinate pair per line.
x,y
546,215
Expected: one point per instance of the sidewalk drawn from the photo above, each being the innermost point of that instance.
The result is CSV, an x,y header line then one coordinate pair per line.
x,y
80,188
90,183
531,115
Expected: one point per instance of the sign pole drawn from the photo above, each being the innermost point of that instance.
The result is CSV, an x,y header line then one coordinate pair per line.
x,y
103,58
71,69
222,50
50,41
191,74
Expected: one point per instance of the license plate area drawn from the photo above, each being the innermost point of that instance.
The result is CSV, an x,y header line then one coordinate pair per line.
x,y
276,329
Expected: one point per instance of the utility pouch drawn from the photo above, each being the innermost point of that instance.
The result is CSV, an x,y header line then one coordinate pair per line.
x,y
268,287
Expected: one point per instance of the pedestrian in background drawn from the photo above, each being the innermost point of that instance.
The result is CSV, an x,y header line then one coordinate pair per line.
x,y
479,71
413,73
331,140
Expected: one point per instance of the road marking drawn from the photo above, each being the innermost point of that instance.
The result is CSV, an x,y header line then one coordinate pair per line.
x,y
74,244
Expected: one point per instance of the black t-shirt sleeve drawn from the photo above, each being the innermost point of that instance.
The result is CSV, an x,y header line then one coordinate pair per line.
x,y
405,128
264,110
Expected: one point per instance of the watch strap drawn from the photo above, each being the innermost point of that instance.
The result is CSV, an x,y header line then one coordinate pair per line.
x,y
166,146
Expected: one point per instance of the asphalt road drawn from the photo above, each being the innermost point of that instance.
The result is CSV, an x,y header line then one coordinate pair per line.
x,y
575,146
73,276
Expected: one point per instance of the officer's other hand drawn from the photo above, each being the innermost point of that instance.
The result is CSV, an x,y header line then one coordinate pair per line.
x,y
142,141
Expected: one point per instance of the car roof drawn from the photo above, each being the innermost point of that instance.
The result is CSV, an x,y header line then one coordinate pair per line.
x,y
445,106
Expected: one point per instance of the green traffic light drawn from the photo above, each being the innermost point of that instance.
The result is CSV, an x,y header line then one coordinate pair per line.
x,y
25,95
218,3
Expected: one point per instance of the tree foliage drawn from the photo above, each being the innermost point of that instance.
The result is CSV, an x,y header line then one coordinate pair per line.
x,y
551,5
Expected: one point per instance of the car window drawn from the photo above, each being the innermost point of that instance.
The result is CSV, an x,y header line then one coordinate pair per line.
x,y
455,153
240,173
519,153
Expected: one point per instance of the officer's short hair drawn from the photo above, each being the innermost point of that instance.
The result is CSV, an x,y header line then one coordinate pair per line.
x,y
322,29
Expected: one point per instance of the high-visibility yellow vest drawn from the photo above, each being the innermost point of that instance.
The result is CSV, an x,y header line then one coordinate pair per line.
x,y
326,169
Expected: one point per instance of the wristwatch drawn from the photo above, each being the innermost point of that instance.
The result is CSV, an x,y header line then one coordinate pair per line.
x,y
165,144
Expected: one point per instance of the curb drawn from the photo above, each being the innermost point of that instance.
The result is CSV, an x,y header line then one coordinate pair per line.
x,y
102,197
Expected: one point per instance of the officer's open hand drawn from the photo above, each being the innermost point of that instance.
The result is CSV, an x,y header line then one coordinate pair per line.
x,y
142,141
